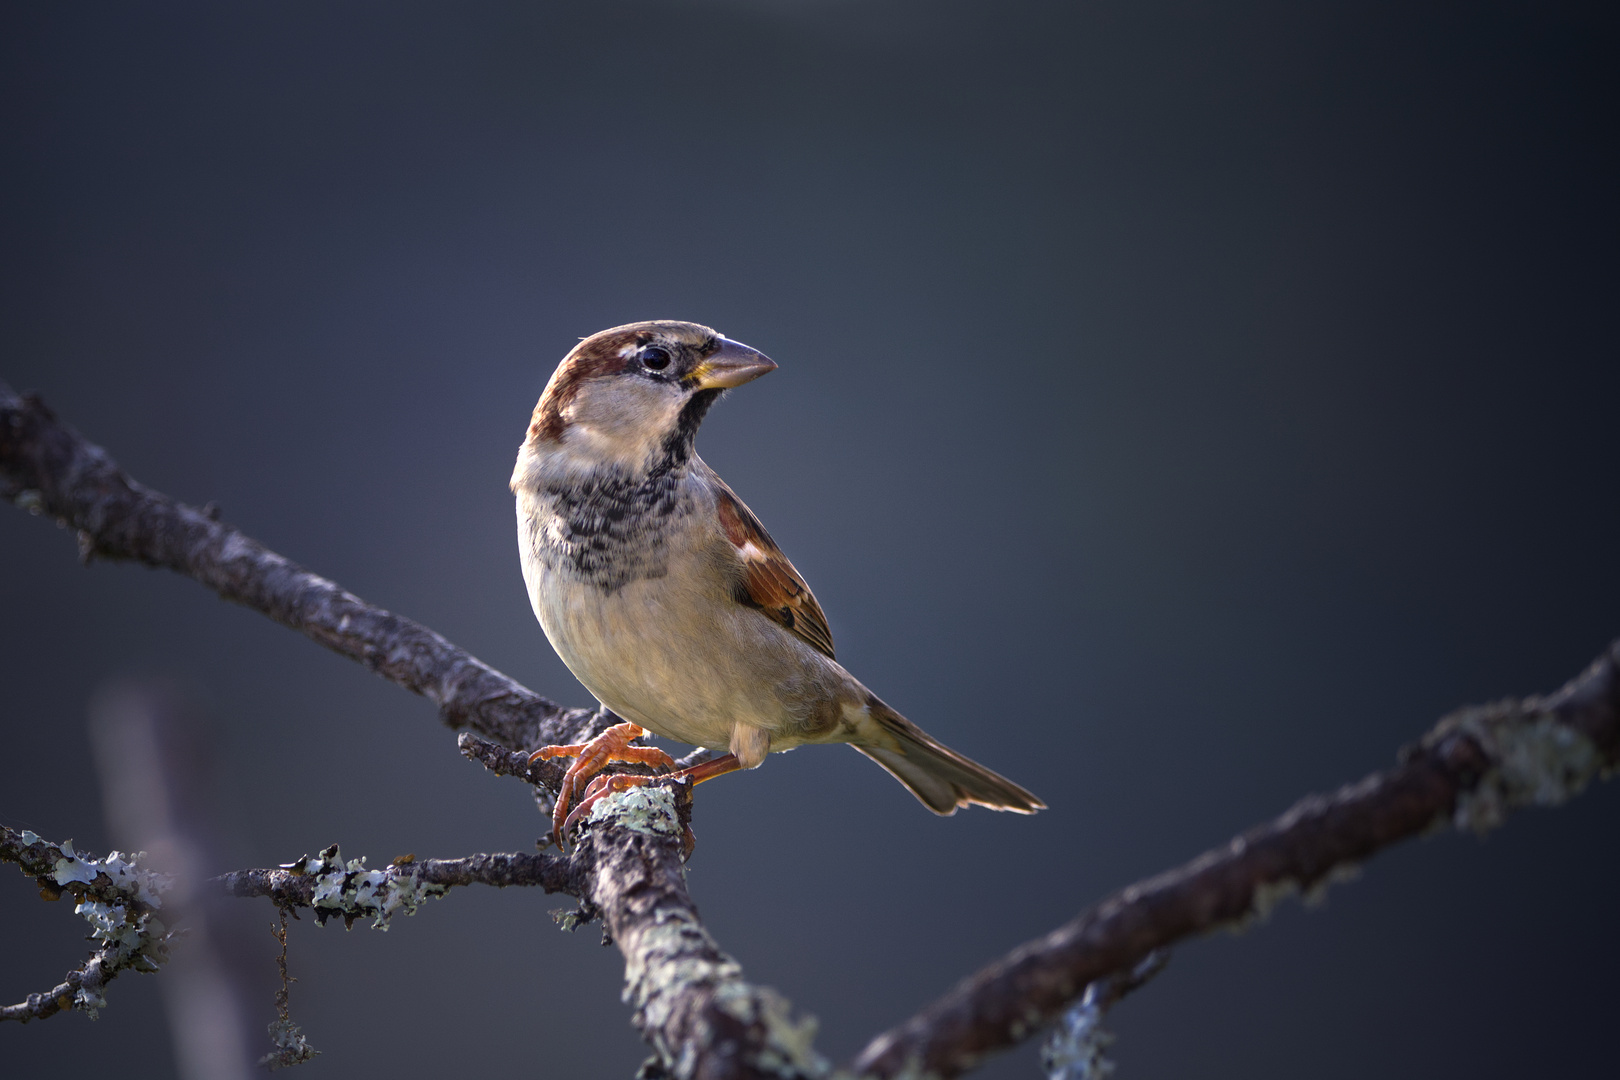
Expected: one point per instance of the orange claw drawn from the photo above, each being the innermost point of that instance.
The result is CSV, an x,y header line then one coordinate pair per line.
x,y
591,758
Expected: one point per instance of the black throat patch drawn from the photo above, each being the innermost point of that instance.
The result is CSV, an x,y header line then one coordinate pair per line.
x,y
613,528
678,447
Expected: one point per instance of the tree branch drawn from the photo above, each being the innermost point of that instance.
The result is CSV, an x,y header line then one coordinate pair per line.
x,y
691,1002
48,468
1475,766
349,890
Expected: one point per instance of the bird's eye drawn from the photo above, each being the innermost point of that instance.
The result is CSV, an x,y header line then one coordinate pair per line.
x,y
654,358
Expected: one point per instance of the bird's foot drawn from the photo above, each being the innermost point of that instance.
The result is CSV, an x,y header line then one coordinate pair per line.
x,y
603,786
591,758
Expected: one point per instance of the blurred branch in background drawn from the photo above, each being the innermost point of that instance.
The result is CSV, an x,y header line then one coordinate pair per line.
x,y
690,1001
158,775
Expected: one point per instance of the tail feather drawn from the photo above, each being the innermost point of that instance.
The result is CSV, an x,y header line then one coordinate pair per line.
x,y
941,778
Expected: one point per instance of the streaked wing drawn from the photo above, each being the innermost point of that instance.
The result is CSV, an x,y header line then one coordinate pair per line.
x,y
769,582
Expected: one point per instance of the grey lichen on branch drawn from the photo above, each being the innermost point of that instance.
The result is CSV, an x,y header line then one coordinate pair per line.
x,y
332,886
118,898
1541,751
690,1000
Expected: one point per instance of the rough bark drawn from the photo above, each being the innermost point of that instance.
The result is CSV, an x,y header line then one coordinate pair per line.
x,y
690,1000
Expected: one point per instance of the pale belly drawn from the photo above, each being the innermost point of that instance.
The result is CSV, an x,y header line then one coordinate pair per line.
x,y
688,666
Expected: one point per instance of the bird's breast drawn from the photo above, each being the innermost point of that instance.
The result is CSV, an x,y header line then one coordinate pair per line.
x,y
612,531
672,650
650,650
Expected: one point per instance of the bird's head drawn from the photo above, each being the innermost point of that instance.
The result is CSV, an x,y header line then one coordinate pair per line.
x,y
632,397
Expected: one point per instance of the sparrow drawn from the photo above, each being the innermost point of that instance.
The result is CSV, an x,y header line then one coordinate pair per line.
x,y
665,596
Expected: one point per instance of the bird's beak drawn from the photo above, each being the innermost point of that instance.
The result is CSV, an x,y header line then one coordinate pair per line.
x,y
732,365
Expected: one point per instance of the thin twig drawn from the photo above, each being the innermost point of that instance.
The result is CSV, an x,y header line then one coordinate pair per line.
x,y
291,1047
333,886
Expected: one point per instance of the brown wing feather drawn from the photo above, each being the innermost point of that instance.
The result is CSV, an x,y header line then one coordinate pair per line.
x,y
769,582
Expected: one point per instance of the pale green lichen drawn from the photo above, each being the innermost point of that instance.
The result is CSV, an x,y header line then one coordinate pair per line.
x,y
1342,874
352,890
674,956
1268,894
671,956
119,900
1537,763
667,957
569,919
645,809
788,1049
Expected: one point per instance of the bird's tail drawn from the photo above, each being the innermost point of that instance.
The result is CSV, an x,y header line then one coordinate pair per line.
x,y
940,777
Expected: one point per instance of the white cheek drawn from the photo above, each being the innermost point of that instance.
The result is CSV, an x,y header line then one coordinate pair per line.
x,y
623,421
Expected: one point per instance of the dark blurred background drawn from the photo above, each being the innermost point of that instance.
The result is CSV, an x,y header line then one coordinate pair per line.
x,y
1180,408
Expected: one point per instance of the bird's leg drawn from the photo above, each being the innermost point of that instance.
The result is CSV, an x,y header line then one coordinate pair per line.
x,y
591,758
603,786
708,770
